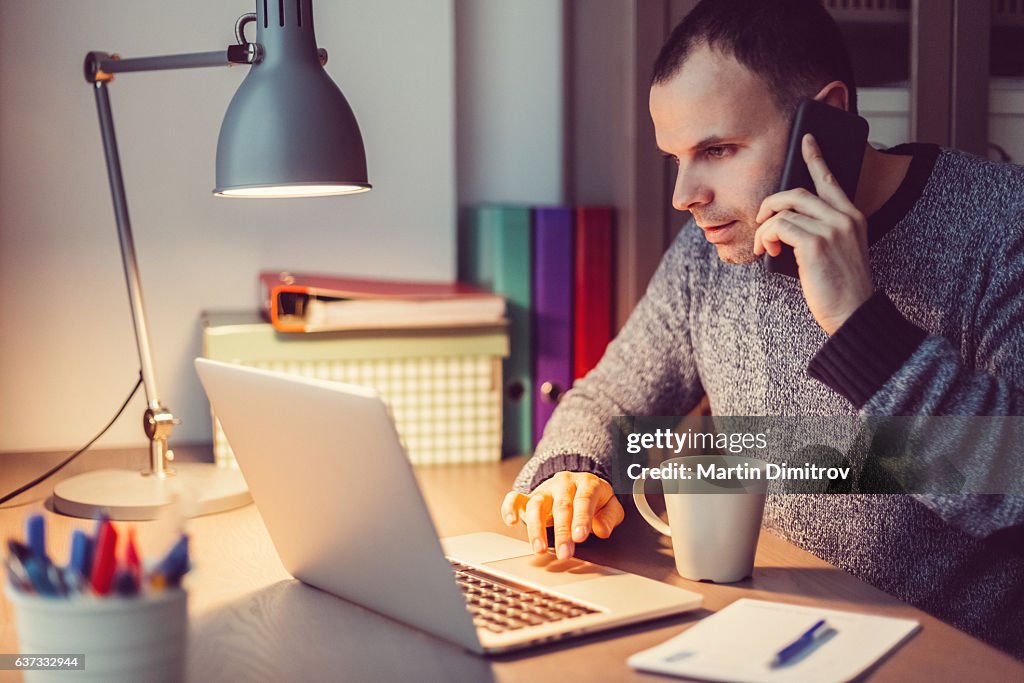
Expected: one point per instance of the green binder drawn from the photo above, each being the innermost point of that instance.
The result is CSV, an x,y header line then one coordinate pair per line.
x,y
494,253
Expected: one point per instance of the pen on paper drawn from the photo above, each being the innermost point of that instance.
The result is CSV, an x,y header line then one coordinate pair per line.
x,y
801,644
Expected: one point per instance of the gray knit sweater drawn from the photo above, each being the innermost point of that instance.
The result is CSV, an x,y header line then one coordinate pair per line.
x,y
943,335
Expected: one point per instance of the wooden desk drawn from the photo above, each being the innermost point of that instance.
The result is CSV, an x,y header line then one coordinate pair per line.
x,y
251,621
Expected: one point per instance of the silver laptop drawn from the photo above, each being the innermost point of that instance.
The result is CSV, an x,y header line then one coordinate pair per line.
x,y
340,500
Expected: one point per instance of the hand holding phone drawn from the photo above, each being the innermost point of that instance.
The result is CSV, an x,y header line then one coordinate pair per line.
x,y
841,137
828,232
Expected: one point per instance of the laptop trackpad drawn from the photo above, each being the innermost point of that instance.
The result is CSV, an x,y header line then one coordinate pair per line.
x,y
547,570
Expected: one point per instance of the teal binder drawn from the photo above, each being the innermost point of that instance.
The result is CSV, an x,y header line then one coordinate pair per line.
x,y
494,253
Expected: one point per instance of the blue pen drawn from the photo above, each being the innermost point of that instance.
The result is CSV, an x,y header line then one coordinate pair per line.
x,y
800,645
176,563
37,573
81,552
35,568
125,583
35,535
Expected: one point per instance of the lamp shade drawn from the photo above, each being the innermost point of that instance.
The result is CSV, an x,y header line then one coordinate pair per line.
x,y
289,131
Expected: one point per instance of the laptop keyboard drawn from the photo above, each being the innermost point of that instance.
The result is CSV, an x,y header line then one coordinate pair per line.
x,y
499,605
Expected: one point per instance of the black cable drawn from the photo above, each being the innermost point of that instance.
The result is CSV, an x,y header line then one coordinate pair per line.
x,y
83,449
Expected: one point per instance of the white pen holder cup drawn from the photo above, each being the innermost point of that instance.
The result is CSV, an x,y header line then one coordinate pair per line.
x,y
714,523
140,638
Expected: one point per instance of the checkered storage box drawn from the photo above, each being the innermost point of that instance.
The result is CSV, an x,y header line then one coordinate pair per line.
x,y
442,386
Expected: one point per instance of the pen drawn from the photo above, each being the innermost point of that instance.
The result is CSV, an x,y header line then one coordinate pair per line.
x,y
175,564
37,573
104,562
125,583
16,572
33,567
35,536
800,645
81,552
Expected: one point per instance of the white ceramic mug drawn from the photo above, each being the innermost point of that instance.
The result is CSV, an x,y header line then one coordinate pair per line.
x,y
714,523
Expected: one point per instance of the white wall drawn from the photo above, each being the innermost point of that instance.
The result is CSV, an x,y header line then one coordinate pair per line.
x,y
510,101
67,354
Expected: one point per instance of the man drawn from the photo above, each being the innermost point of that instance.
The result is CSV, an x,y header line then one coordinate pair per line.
x,y
910,301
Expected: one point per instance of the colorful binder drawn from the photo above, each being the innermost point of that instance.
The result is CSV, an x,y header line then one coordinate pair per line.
x,y
299,302
494,254
592,306
552,310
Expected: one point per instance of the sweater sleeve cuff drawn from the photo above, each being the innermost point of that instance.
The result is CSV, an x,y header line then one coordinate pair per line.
x,y
567,463
866,350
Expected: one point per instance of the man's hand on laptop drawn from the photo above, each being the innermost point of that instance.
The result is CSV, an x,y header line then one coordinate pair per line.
x,y
575,503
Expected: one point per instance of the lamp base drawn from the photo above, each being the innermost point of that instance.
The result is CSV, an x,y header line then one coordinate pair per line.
x,y
127,495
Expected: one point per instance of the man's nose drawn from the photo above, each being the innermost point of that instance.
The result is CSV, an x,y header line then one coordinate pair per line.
x,y
690,191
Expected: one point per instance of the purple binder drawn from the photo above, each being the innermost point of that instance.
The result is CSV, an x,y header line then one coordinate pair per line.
x,y
552,310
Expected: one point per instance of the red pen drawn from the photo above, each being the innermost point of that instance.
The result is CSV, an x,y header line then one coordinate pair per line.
x,y
104,559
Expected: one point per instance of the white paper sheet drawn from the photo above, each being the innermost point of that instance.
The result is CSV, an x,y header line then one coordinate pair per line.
x,y
739,642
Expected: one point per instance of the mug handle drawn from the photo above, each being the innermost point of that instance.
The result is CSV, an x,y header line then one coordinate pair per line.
x,y
645,508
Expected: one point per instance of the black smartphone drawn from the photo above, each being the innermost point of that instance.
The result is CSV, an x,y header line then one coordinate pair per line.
x,y
842,137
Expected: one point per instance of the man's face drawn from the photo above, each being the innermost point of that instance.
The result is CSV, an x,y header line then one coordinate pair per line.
x,y
718,120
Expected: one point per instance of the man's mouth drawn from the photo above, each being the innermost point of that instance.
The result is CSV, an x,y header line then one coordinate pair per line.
x,y
718,233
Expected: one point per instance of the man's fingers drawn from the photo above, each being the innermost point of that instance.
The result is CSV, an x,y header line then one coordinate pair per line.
x,y
591,494
562,514
825,183
799,200
538,507
513,506
574,504
608,517
785,228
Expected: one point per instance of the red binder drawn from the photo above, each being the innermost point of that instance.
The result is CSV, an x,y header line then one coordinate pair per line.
x,y
592,324
294,302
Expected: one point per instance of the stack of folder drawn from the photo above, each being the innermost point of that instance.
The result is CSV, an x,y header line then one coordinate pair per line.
x,y
554,267
297,302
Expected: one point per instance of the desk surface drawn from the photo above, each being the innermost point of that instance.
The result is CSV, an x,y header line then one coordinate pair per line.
x,y
251,621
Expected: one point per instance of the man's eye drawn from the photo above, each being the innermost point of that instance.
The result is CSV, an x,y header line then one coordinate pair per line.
x,y
717,152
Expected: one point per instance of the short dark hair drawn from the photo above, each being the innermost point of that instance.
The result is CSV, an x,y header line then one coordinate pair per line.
x,y
793,45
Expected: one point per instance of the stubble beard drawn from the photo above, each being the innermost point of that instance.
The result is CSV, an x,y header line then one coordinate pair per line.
x,y
740,252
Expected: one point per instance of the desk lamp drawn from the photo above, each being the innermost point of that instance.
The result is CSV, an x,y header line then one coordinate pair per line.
x,y
288,132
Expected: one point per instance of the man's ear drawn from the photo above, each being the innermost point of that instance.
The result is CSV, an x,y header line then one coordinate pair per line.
x,y
835,94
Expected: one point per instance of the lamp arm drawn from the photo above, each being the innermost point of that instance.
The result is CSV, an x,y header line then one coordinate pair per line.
x,y
100,66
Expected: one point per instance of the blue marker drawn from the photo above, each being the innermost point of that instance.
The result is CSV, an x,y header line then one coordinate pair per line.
x,y
800,645
81,552
35,535
37,573
125,583
175,564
